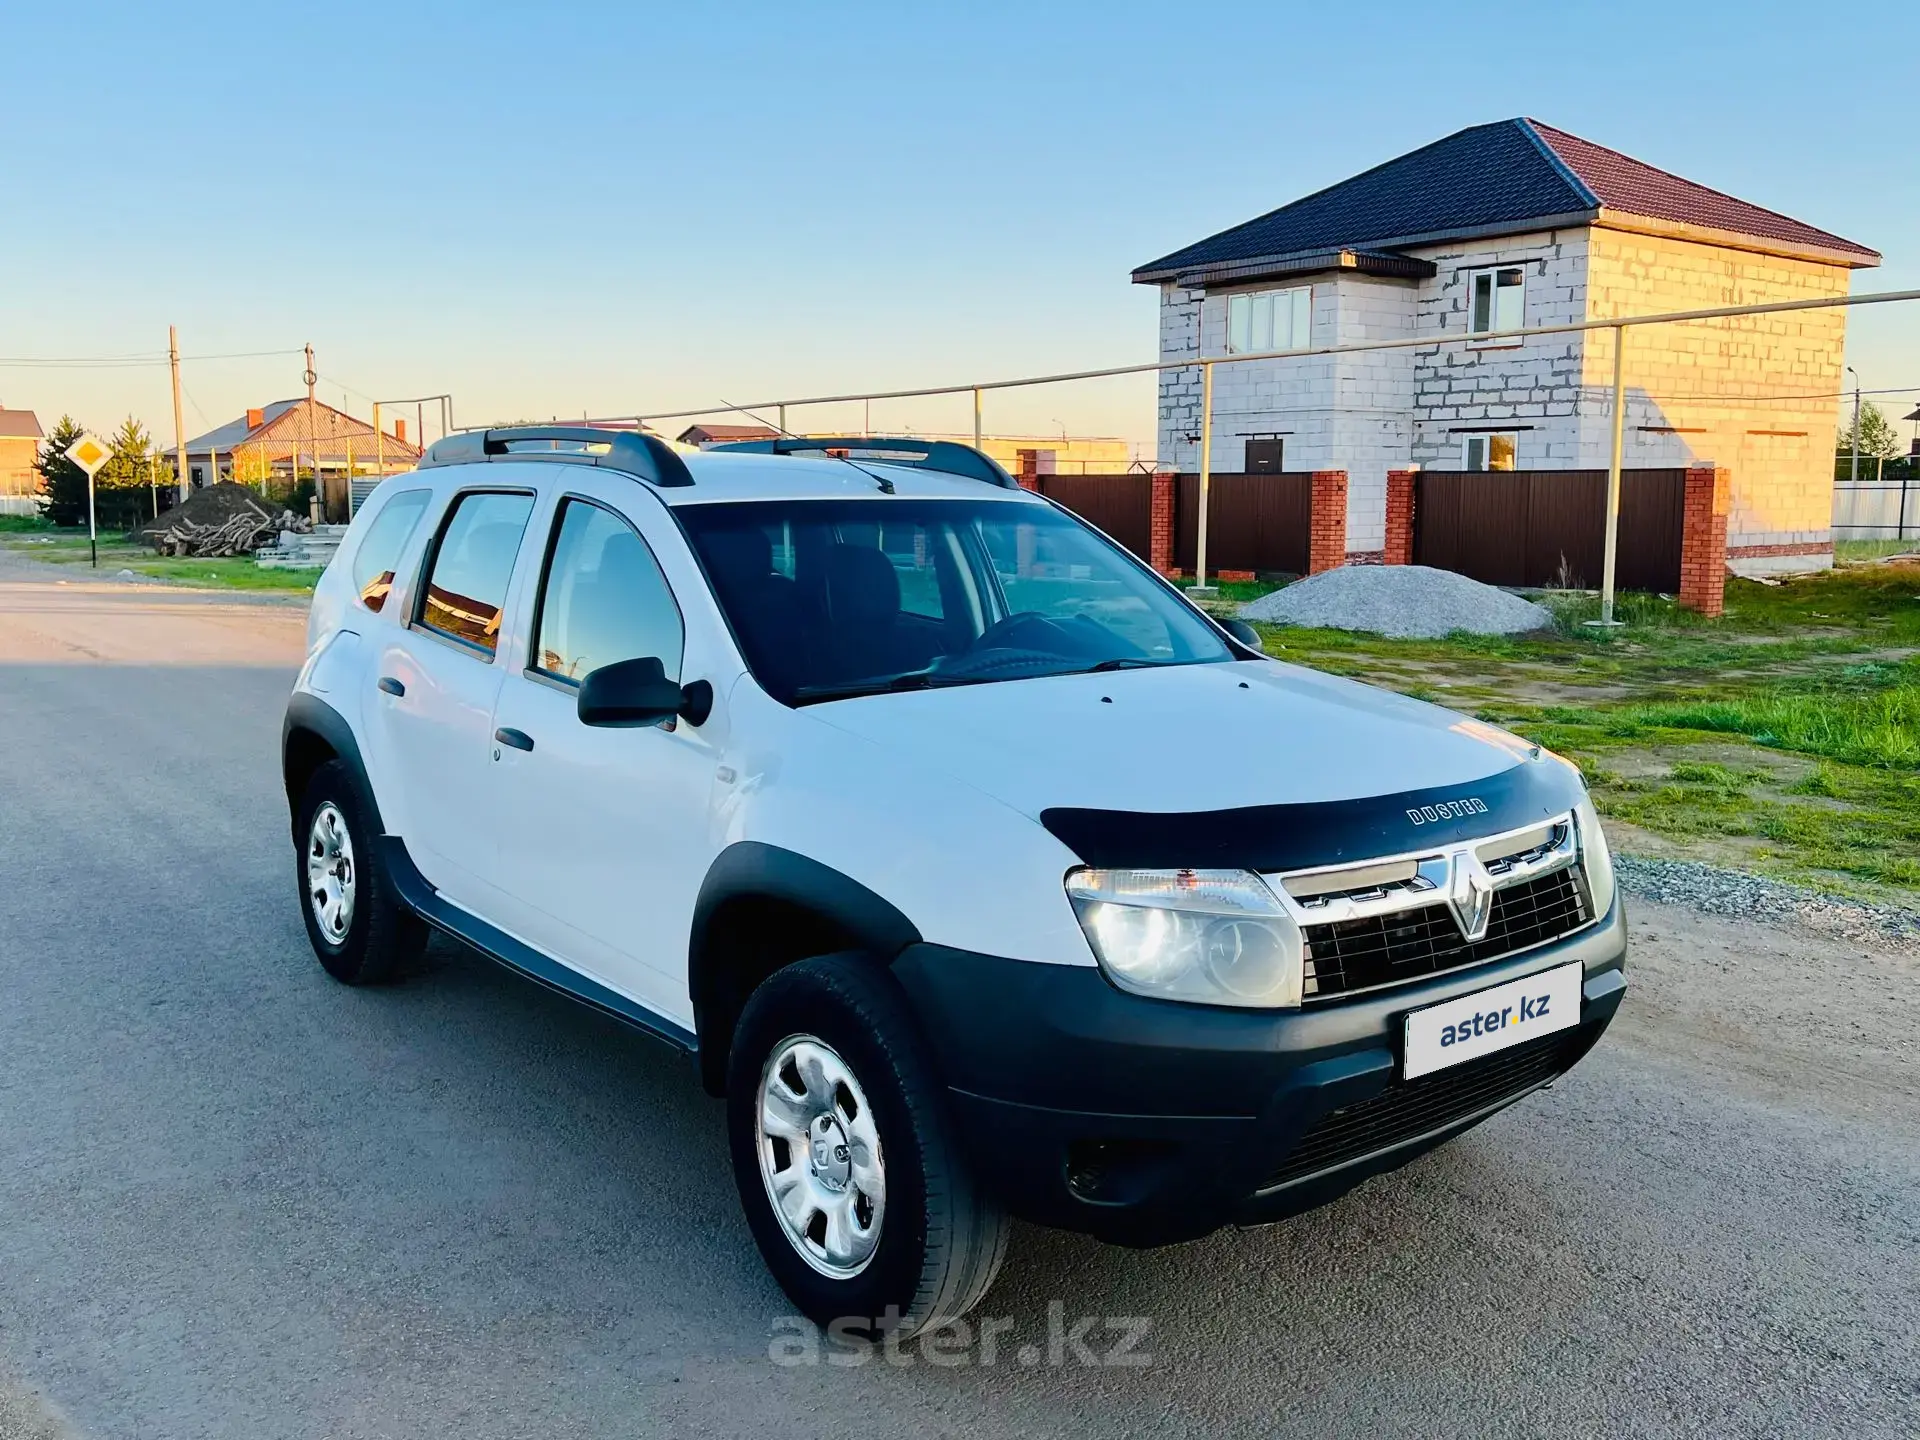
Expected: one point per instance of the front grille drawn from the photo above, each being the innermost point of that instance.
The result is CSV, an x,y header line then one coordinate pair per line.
x,y
1408,1109
1376,950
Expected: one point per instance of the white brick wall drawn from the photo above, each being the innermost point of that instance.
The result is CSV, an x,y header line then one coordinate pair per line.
x,y
1334,412
1535,384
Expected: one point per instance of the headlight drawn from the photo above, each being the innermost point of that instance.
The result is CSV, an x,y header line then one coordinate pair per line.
x,y
1594,857
1220,937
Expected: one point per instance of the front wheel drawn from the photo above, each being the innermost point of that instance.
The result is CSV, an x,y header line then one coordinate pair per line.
x,y
360,930
853,1183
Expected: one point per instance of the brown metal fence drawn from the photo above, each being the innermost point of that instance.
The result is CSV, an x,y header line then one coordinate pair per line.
x,y
1260,522
1548,527
1121,505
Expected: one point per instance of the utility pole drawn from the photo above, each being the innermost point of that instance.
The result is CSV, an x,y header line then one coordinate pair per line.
x,y
179,418
1611,553
1855,447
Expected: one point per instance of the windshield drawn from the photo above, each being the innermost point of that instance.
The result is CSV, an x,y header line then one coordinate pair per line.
x,y
835,598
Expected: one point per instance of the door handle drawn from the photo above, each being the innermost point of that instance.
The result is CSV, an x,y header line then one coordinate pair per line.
x,y
517,739
392,686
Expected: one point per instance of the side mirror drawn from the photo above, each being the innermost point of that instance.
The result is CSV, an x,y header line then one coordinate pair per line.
x,y
1243,632
634,693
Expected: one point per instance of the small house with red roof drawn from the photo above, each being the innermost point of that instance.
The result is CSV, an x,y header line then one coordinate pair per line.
x,y
1499,227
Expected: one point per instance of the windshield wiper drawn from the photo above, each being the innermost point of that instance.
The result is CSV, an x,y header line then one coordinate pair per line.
x,y
912,680
1125,662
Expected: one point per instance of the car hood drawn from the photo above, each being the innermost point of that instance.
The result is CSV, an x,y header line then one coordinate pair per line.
x,y
1179,738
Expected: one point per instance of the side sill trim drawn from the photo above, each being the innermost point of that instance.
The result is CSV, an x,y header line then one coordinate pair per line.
x,y
516,955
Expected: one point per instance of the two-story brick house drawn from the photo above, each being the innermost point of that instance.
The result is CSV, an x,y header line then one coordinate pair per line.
x,y
1500,226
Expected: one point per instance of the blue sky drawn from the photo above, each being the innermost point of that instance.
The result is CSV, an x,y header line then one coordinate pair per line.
x,y
620,208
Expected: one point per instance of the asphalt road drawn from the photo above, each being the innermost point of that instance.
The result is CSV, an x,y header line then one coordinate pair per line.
x,y
237,1199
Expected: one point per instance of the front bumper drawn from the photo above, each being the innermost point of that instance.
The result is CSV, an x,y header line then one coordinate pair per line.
x,y
1146,1122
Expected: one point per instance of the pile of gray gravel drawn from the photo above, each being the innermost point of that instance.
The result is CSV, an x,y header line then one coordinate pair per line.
x,y
1405,601
1739,896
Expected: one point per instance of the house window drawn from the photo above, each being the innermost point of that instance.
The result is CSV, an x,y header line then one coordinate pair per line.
x,y
1269,320
1496,300
1488,452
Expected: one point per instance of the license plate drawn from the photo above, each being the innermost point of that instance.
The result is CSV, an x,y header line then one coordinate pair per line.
x,y
1475,1025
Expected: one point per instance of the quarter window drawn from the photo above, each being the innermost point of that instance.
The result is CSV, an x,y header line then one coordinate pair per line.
x,y
1489,452
472,566
1496,300
379,553
604,599
1270,320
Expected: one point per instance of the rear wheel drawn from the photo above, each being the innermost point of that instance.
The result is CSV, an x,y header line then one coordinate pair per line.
x,y
856,1190
358,927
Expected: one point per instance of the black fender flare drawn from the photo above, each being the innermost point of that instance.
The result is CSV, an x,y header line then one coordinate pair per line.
x,y
310,715
825,912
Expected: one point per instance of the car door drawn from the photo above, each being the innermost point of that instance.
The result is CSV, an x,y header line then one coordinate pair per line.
x,y
436,682
604,833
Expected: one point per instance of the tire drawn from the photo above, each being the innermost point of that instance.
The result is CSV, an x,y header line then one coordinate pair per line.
x,y
937,1239
367,934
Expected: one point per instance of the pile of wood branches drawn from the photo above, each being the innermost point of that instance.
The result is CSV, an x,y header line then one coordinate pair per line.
x,y
239,534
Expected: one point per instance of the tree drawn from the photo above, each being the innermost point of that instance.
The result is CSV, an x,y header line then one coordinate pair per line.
x,y
1878,439
127,497
122,497
63,484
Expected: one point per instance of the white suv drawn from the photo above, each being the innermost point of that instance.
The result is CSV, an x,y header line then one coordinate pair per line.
x,y
979,871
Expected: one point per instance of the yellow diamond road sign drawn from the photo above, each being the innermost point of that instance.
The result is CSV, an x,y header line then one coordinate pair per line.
x,y
89,452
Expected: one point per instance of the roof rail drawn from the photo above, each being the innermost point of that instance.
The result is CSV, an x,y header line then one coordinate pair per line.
x,y
646,456
947,456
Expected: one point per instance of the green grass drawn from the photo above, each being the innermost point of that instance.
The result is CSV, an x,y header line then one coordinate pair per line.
x,y
1784,737
23,524
1853,552
1238,591
231,572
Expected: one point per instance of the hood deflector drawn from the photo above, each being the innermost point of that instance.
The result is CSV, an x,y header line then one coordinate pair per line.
x,y
1268,838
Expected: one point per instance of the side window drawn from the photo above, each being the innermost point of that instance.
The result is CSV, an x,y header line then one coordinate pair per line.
x,y
1497,300
373,562
472,564
1270,320
603,598
1489,452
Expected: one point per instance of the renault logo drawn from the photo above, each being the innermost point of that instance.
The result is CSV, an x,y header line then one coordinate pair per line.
x,y
1470,895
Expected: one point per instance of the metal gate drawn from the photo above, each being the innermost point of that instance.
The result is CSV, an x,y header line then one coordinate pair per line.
x,y
1121,505
1262,523
1548,527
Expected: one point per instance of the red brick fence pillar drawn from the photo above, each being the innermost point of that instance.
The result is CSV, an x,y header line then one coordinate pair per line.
x,y
1327,529
1160,523
1028,475
1703,540
1399,549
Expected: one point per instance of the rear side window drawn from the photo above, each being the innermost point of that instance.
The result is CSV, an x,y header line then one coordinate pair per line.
x,y
374,561
604,599
472,565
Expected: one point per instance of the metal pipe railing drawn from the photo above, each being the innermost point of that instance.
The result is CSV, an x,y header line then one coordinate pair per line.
x,y
1618,324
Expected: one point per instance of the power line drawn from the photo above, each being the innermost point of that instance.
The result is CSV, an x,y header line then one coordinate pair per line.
x,y
135,360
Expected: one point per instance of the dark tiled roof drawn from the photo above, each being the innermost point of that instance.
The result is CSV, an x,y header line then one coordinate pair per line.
x,y
1488,179
20,425
1489,175
1636,188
